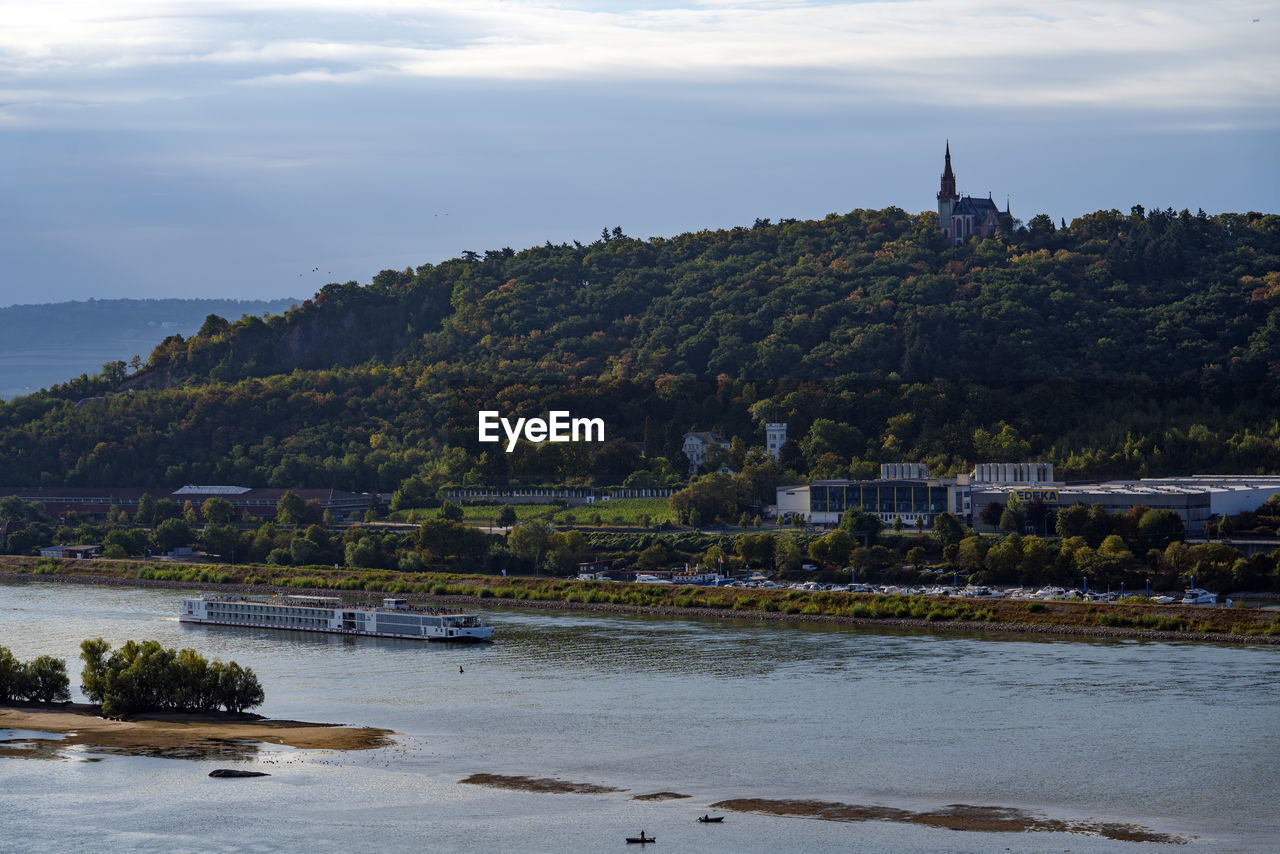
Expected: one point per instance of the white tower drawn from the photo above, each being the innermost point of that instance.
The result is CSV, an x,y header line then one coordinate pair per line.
x,y
775,435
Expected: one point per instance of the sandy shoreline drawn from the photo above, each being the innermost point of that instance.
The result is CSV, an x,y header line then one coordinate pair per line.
x,y
933,627
182,732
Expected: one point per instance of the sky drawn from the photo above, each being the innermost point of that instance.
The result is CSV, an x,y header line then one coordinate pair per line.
x,y
160,148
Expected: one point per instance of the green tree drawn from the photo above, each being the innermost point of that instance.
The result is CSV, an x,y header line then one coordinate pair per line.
x,y
451,541
302,552
863,527
222,540
93,678
1013,517
128,540
145,676
991,514
13,677
1112,555
789,555
506,516
839,544
172,534
290,508
1036,557
615,461
237,687
166,508
318,535
972,554
1098,525
756,549
1002,560
146,513
709,497
47,680
217,510
1158,528
529,540
948,528
1071,521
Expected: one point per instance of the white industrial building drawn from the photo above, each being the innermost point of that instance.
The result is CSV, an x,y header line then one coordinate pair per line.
x,y
906,491
1198,499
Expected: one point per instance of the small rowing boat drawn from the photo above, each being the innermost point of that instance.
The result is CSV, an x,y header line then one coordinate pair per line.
x,y
706,819
641,839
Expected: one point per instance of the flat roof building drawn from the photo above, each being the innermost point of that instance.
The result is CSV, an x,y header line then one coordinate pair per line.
x,y
1198,499
915,501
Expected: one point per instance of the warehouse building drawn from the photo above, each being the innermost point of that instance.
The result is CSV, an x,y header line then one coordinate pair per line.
x,y
1198,499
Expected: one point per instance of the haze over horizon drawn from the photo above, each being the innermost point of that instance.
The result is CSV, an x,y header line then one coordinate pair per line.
x,y
255,150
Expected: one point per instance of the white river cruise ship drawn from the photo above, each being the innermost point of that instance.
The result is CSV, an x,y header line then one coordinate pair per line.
x,y
393,619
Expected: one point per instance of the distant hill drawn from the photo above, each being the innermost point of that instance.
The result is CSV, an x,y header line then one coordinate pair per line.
x,y
50,343
1134,344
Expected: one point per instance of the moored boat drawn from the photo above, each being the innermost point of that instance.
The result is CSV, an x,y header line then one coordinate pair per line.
x,y
394,618
1196,596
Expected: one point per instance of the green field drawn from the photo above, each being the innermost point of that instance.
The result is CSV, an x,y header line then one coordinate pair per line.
x,y
620,511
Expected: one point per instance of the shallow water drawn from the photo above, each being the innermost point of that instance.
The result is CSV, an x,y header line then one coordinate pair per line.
x,y
1176,737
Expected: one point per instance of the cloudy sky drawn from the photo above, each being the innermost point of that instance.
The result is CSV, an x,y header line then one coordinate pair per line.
x,y
156,148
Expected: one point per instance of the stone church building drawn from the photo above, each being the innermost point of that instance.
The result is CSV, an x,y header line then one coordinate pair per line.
x,y
962,217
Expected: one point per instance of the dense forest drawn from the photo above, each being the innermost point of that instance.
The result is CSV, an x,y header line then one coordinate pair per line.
x,y
1145,343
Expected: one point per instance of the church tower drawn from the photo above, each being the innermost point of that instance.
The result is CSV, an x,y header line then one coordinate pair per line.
x,y
947,196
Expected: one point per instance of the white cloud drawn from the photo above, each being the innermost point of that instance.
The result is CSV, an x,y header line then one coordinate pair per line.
x,y
988,52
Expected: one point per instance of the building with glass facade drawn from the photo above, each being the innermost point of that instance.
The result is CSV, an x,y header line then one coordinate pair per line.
x,y
825,501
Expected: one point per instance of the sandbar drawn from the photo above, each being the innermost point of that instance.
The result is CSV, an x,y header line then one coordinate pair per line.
x,y
966,817
537,784
161,732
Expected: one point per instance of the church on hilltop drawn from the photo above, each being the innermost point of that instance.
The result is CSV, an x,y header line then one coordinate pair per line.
x,y
962,217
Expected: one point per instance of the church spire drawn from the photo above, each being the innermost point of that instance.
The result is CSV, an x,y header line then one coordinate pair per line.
x,y
947,192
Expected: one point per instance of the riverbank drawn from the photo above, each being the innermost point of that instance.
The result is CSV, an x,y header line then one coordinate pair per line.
x,y
934,614
172,733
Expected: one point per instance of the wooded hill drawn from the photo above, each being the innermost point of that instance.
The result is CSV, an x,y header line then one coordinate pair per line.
x,y
45,343
1123,344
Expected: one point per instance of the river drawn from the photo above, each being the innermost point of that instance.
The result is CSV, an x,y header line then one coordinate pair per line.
x,y
1179,738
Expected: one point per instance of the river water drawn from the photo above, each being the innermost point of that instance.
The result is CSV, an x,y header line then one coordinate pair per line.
x,y
1179,738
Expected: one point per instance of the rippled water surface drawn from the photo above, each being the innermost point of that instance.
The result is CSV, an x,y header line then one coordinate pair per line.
x,y
1180,738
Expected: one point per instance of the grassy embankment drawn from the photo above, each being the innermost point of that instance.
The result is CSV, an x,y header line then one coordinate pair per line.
x,y
935,611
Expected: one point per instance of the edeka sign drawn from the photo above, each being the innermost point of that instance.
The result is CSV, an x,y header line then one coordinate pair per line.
x,y
1046,496
558,427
